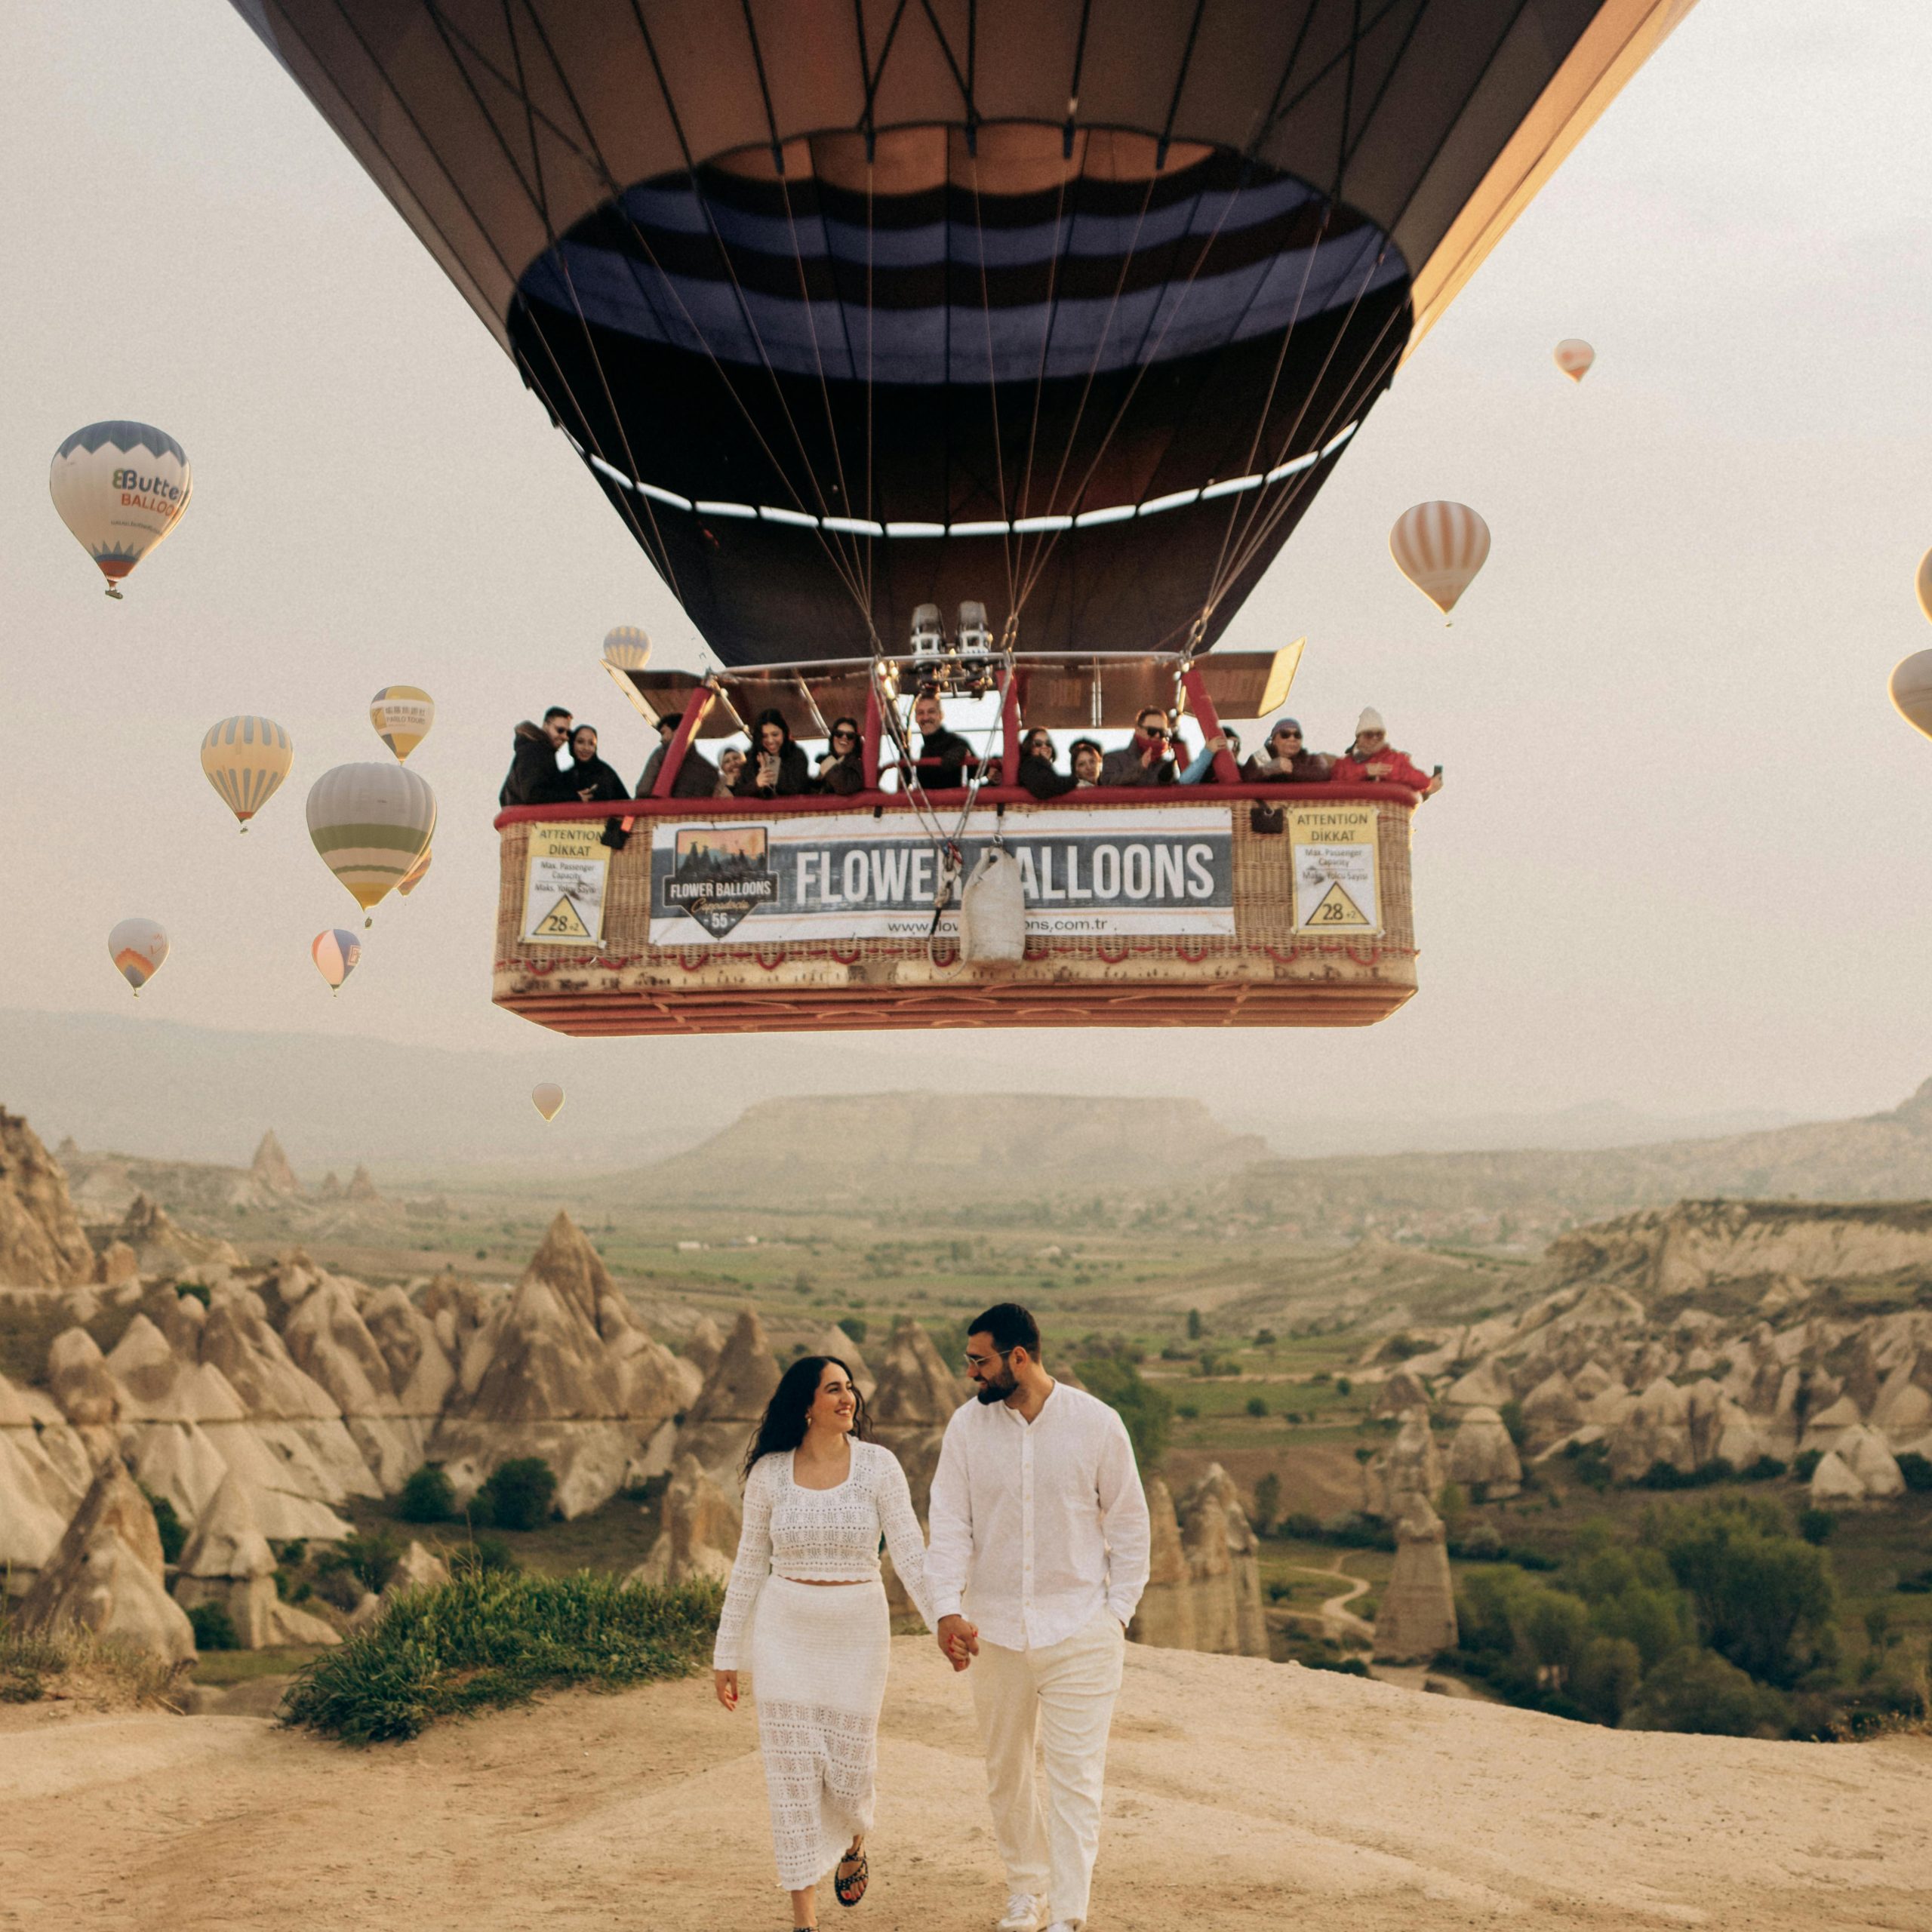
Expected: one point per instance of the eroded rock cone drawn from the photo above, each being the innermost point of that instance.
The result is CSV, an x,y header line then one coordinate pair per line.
x,y
228,1561
270,1169
1246,1635
837,1342
106,1576
719,1423
362,1189
38,1494
1399,1394
1409,1466
1415,1617
1165,1616
42,1244
703,1346
1482,1452
701,1519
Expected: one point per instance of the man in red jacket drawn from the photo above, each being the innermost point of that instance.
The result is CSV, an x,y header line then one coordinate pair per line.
x,y
1371,759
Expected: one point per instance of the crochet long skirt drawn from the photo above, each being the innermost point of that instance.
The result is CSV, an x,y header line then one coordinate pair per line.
x,y
819,1654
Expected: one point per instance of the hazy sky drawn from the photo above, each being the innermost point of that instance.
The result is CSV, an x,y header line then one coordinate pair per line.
x,y
1682,859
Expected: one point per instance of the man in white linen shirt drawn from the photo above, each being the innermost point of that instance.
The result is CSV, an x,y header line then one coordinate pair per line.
x,y
1038,1527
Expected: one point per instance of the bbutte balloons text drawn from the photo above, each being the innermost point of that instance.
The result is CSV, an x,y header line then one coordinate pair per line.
x,y
120,487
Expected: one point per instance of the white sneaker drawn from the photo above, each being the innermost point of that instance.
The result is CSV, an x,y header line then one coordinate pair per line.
x,y
1024,1913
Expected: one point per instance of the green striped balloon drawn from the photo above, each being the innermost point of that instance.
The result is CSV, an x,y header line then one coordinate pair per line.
x,y
371,823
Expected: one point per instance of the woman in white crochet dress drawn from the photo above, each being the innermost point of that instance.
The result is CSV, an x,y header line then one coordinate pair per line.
x,y
818,1497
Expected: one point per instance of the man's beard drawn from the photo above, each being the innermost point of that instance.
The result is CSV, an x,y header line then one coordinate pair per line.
x,y
990,1392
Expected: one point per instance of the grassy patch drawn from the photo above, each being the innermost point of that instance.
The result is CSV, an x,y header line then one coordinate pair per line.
x,y
495,1638
74,1666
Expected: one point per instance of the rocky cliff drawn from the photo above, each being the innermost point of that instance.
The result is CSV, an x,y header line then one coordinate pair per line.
x,y
41,1243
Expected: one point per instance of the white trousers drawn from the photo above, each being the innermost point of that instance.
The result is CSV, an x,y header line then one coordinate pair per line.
x,y
1061,1700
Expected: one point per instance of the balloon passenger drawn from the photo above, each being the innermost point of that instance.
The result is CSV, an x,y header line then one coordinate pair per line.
x,y
1202,772
776,768
697,777
1037,767
731,765
944,756
1372,760
534,759
1087,759
586,779
818,1497
1147,760
1284,759
841,766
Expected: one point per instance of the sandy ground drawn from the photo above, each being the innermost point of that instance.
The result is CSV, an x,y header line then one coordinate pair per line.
x,y
1241,1794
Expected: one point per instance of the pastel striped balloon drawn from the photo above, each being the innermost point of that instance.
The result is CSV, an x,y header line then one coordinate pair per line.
x,y
120,487
335,953
1439,547
1574,356
246,759
402,715
1911,691
370,823
411,879
1925,583
139,949
627,647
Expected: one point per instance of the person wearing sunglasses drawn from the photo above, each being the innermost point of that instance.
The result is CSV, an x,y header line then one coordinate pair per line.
x,y
1037,767
1285,760
1372,760
1147,759
841,765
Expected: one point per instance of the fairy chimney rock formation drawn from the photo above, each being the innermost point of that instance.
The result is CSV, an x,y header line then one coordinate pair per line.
x,y
106,1576
1409,1466
703,1346
78,1374
701,1518
41,1243
836,1342
718,1424
1400,1393
1165,1616
916,1389
362,1189
228,1561
1203,1535
270,1169
39,1468
1415,1617
1481,1452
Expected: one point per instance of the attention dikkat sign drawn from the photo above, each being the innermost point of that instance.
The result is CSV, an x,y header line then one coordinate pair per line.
x,y
849,876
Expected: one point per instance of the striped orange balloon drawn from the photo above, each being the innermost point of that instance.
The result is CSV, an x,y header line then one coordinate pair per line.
x,y
1439,547
1574,356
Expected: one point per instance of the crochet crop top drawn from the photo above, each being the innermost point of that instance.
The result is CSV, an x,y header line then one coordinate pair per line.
x,y
821,1535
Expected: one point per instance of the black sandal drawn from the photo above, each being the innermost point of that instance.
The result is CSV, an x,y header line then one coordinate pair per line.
x,y
850,1891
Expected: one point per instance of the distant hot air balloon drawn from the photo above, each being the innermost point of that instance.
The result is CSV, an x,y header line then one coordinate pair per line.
x,y
1574,356
547,1097
120,487
411,879
371,823
139,948
335,953
246,759
1911,691
1925,583
1439,547
402,715
626,649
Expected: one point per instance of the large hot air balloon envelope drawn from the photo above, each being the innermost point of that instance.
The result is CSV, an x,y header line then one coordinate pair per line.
x,y
335,953
1439,547
1574,356
1925,583
546,1097
139,949
402,715
1066,309
412,878
120,487
1911,691
370,823
246,759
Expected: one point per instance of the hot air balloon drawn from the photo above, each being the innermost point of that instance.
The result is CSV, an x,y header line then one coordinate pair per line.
x,y
1925,583
1070,310
139,948
547,1097
1439,547
1911,691
402,716
371,823
120,487
626,649
1574,356
411,879
246,759
335,953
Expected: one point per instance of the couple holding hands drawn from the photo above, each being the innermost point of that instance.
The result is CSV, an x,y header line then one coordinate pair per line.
x,y
1037,1556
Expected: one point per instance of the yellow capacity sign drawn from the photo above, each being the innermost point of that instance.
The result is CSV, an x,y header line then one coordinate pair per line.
x,y
563,882
1332,851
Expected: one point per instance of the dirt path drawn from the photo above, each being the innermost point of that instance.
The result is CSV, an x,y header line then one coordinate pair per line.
x,y
1241,1795
1336,1619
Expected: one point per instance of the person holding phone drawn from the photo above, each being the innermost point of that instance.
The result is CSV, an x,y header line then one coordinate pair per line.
x,y
841,767
776,768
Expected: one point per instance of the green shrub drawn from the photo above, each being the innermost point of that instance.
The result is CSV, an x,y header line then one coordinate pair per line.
x,y
1806,1466
1148,1411
856,1326
168,1520
428,1497
1917,1470
214,1627
489,1638
518,1495
1766,1468
1343,1386
1267,1501
1698,1690
1257,1405
1194,1325
1589,1463
1817,1527
1264,1338
1188,1411
1303,1524
485,1553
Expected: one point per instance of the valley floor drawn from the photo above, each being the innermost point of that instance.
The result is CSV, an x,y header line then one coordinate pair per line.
x,y
1241,1794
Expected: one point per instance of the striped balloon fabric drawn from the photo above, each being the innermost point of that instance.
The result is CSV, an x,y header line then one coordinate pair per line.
x,y
1439,547
139,949
402,715
411,879
627,647
335,953
370,823
246,759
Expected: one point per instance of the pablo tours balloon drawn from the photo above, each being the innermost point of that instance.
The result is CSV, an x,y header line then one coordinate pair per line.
x,y
1439,547
138,948
246,759
1925,583
120,487
402,715
1911,691
1574,356
335,953
547,1097
412,878
370,823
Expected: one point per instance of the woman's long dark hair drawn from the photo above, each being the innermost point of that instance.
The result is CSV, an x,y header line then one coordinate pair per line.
x,y
769,717
783,1425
